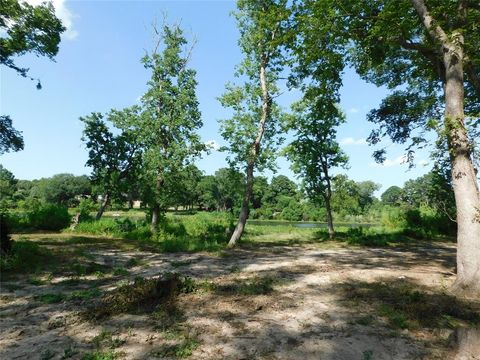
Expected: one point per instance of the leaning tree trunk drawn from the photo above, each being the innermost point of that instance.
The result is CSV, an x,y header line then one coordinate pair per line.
x,y
102,208
465,186
464,180
266,103
242,220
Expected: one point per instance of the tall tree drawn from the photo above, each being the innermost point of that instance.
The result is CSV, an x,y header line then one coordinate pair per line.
x,y
315,150
251,132
115,159
170,118
427,52
24,28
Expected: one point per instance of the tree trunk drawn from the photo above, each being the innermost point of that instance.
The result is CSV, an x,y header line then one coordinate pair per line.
x,y
102,208
266,103
155,217
464,180
465,186
467,343
5,241
242,220
331,230
156,208
327,196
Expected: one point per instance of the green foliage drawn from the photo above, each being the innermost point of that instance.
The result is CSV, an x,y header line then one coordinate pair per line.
x,y
10,138
101,355
49,217
256,286
25,256
122,227
48,298
203,231
64,189
392,196
314,150
170,118
26,28
8,186
115,159
180,351
86,207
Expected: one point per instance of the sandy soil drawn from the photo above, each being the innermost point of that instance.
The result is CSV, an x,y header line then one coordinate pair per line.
x,y
308,314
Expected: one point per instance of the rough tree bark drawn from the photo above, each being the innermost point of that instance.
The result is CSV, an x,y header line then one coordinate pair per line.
x,y
465,186
266,103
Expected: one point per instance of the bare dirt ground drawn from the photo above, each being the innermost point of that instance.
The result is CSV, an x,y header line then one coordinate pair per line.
x,y
276,302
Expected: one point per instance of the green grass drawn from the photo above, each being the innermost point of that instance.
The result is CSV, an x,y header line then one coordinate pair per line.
x,y
100,355
50,298
182,350
255,286
25,257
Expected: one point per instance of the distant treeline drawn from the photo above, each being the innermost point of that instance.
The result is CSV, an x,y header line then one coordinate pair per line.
x,y
424,204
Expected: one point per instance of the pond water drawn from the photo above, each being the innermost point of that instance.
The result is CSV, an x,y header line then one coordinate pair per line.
x,y
305,224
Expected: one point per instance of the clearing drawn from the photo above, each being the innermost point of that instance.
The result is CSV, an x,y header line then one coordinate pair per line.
x,y
264,301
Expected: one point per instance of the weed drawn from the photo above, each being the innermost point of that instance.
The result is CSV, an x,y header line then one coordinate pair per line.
x,y
100,355
85,294
144,295
134,262
182,350
36,281
106,339
257,286
50,298
120,272
365,320
69,352
367,355
46,354
25,257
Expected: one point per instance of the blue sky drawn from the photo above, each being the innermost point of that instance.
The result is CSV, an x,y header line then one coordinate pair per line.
x,y
98,68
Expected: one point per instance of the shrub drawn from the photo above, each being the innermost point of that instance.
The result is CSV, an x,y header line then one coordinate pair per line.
x,y
49,217
25,256
393,218
86,207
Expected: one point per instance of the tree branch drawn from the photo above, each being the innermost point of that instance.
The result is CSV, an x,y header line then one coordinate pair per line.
x,y
435,31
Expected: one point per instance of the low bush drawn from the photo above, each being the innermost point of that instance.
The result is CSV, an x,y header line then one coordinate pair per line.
x,y
25,256
49,217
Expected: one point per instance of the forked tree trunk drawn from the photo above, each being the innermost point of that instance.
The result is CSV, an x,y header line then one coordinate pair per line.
x,y
255,149
103,206
465,186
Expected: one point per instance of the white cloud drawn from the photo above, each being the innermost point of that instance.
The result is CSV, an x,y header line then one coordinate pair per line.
x,y
353,110
391,162
64,14
352,141
212,145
